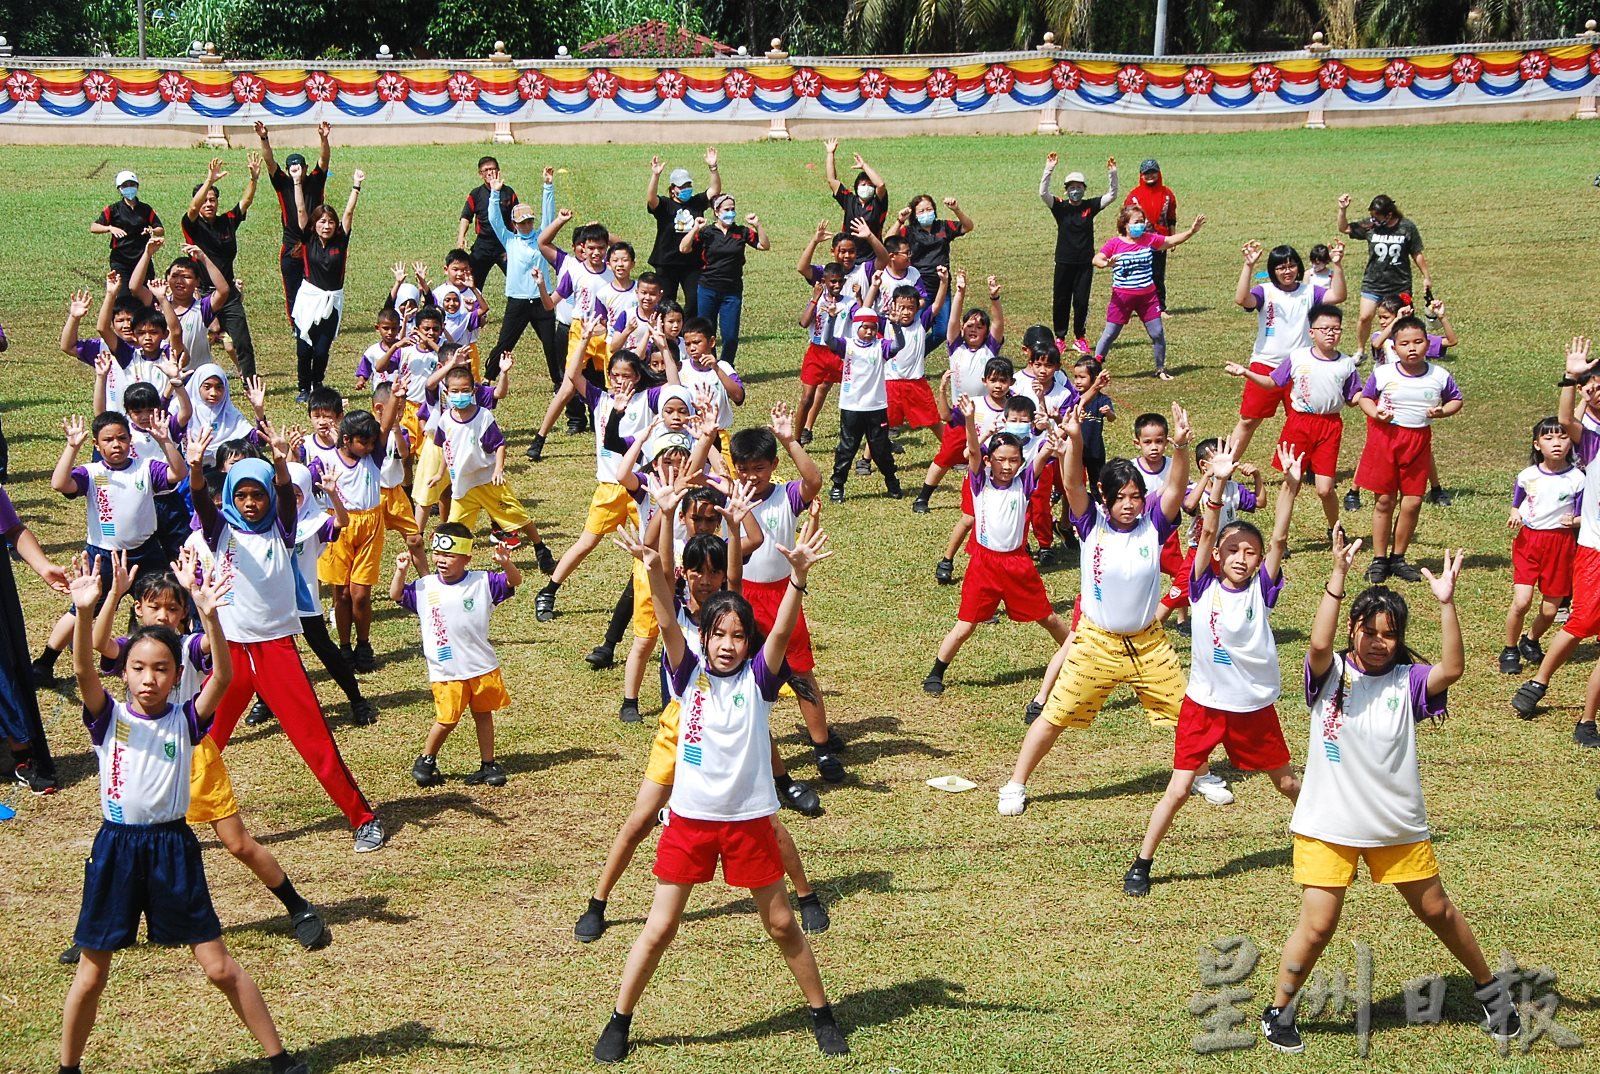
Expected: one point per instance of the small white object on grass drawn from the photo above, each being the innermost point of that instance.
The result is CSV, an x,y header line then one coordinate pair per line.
x,y
953,784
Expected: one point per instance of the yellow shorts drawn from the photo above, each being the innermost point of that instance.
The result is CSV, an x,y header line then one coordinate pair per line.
x,y
472,355
599,353
1321,864
497,501
411,423
481,693
357,556
1100,661
429,482
397,512
210,790
609,508
724,439
663,761
644,609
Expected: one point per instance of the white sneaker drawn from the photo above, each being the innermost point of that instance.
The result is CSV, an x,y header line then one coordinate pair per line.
x,y
1013,799
1212,789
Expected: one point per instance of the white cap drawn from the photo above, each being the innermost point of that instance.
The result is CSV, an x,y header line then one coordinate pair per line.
x,y
125,176
1074,177
680,177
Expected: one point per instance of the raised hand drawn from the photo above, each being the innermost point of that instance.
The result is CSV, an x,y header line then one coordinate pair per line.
x,y
501,554
275,437
194,451
994,288
121,577
1343,554
1252,253
741,501
214,170
1578,361
254,163
1336,251
657,165
951,204
1443,584
76,429
1222,464
323,130
711,156
113,279
329,484
255,390
297,438
102,365
968,408
78,305
83,584
631,540
399,270
831,145
1344,201
807,552
857,162
782,422
1181,430
1051,160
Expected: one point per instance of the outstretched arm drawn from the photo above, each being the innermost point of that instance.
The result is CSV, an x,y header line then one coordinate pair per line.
x,y
1319,653
1453,656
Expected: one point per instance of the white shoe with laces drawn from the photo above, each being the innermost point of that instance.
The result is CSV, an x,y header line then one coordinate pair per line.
x,y
1013,799
1212,789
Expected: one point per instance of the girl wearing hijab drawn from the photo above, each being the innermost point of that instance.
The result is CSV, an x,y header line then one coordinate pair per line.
x,y
212,398
252,537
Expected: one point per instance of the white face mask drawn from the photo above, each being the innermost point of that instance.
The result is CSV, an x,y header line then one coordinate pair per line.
x,y
866,191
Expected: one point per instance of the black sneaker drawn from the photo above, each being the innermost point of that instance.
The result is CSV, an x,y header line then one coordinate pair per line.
x,y
1500,1018
258,715
362,658
896,448
309,928
1032,712
1532,655
1510,661
1044,557
1378,570
814,917
828,764
544,606
801,798
1277,1025
536,449
511,539
1399,568
945,572
601,657
1352,500
591,925
425,770
1185,628
894,492
71,956
44,678
1440,497
933,684
29,777
804,438
1585,735
348,655
629,712
612,1047
1136,882
835,743
488,772
836,494
545,559
830,1038
1526,699
363,713
863,467
919,506
576,426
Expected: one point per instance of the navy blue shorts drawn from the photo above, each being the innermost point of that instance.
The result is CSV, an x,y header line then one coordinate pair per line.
x,y
149,870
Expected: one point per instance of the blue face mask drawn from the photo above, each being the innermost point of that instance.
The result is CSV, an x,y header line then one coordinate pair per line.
x,y
1019,429
131,191
1135,230
459,400
686,193
926,218
727,216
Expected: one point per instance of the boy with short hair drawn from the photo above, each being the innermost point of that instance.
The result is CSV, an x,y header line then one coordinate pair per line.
x,y
821,367
388,327
454,604
973,341
863,398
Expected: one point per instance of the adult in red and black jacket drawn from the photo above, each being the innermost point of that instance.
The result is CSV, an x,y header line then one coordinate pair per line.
x,y
1160,207
866,199
130,223
291,263
216,233
486,252
319,300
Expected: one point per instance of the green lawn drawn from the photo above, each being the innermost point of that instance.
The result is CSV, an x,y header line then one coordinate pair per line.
x,y
961,940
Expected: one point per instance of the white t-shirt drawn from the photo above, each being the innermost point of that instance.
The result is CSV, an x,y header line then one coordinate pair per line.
x,y
312,536
1234,664
1318,385
861,387
1120,582
455,622
1283,321
724,769
144,761
692,377
580,289
263,604
1361,786
1589,517
910,362
966,368
469,448
635,419
1410,397
392,471
1155,481
121,504
779,517
890,284
1543,498
420,365
1000,515
1235,499
360,482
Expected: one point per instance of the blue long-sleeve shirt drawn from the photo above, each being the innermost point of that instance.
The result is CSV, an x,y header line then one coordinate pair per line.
x,y
523,258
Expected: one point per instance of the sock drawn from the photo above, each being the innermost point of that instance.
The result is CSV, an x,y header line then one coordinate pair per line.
x,y
73,1069
626,701
21,754
938,669
1143,864
287,895
281,1062
621,1021
822,1015
811,900
598,906
47,657
926,493
784,780
549,587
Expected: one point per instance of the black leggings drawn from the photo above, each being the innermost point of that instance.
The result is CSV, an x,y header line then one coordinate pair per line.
x,y
686,279
313,356
1158,265
1072,296
315,629
520,315
230,315
873,425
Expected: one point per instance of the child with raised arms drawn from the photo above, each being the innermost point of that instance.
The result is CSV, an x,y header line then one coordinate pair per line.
x,y
1361,798
821,367
1546,499
723,797
973,341
863,397
1130,254
911,401
1234,679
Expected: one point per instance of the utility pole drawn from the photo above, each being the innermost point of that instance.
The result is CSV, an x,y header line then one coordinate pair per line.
x,y
141,29
1160,48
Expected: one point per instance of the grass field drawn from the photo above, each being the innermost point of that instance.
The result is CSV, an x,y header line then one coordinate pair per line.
x,y
961,941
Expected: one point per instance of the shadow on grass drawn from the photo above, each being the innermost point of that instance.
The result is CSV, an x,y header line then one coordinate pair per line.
x,y
1013,677
522,763
837,889
874,738
1274,858
1484,560
360,908
1150,783
867,1009
420,810
398,1040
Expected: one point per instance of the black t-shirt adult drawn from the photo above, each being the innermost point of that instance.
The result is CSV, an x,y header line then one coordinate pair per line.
x,y
325,264
487,243
722,257
873,212
930,247
675,219
314,184
133,219
1075,230
1389,253
218,239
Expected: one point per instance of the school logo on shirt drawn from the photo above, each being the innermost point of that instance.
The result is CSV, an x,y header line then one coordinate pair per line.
x,y
171,750
466,605
738,700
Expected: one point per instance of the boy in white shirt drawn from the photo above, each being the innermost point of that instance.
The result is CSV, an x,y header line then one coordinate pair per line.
x,y
863,398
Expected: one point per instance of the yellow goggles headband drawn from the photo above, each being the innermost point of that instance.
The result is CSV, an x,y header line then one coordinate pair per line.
x,y
450,543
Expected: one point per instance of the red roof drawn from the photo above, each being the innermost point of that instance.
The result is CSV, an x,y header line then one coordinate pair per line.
x,y
655,38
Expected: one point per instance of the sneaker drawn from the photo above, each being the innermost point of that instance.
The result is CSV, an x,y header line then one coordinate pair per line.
x,y
511,539
1081,345
258,715
1510,661
425,770
1184,627
536,449
830,1038
29,777
591,924
1013,800
1563,612
894,492
363,713
348,655
44,678
629,712
1277,1025
1378,570
896,448
836,494
945,572
835,743
601,657
309,928
371,836
488,772
814,917
1212,788
1585,735
1136,882
1440,497
1399,568
829,765
612,1047
804,438
1532,655
1500,1018
1526,699
576,427
1044,557
544,606
863,467
71,956
301,396
1352,500
933,685
545,559
919,506
363,659
801,798
1032,712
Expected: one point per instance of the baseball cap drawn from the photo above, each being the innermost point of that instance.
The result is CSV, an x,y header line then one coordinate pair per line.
x,y
1150,165
126,176
680,177
294,158
662,443
520,212
1074,177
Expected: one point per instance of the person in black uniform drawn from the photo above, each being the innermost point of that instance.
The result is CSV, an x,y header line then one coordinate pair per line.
x,y
675,217
486,252
217,235
130,223
324,241
291,262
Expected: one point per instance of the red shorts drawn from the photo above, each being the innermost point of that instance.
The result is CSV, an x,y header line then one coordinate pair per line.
x,y
1543,559
689,849
1259,402
1126,306
1010,578
1178,595
1041,520
1316,436
1254,740
1077,610
1395,459
952,447
1584,621
1173,557
911,403
764,598
821,365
